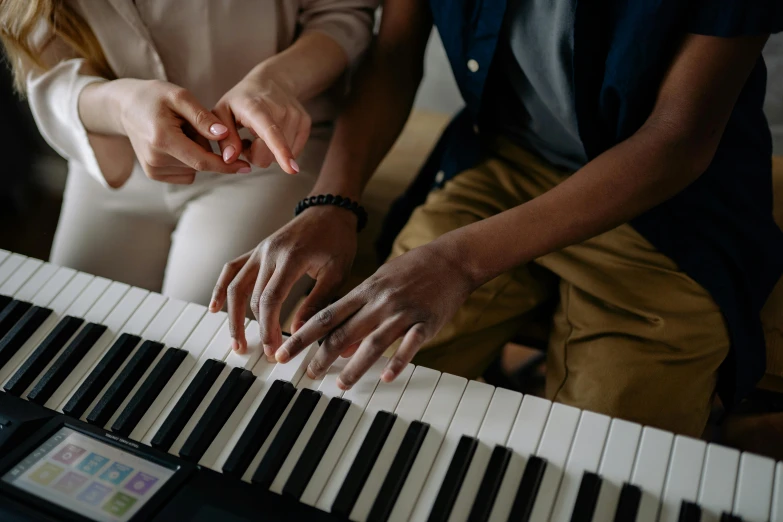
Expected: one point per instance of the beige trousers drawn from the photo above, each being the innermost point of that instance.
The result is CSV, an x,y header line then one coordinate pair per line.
x,y
175,239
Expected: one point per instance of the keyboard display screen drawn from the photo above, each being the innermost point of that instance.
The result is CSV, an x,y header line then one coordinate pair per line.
x,y
89,477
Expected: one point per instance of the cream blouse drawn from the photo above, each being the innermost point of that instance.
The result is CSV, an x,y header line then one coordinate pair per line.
x,y
205,46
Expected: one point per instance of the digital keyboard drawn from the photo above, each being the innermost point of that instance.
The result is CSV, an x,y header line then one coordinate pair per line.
x,y
120,404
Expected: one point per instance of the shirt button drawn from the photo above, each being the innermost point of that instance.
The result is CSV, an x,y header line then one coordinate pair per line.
x,y
473,65
439,177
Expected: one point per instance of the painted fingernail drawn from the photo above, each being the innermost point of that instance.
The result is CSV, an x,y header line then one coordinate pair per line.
x,y
294,165
387,376
217,129
342,385
244,170
282,355
228,152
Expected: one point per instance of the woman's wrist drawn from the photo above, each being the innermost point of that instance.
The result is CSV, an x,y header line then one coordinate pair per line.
x,y
101,106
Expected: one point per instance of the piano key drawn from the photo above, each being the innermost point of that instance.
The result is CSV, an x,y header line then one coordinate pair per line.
x,y
452,481
61,282
753,497
439,414
316,447
529,486
649,472
627,504
92,292
43,354
10,265
260,426
490,484
149,391
777,496
682,480
362,464
554,447
99,377
689,512
180,331
328,389
5,300
411,407
230,394
616,465
495,429
11,314
718,479
21,332
33,285
177,418
20,276
467,421
358,397
121,387
65,363
286,437
728,517
586,498
253,353
523,441
3,255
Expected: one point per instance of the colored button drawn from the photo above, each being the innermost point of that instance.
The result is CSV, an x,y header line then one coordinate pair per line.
x,y
473,65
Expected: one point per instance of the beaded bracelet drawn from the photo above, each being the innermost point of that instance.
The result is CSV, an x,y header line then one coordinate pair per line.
x,y
339,201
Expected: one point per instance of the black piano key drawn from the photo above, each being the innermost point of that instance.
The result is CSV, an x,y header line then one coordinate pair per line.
x,y
689,512
398,472
148,391
528,489
5,300
187,404
10,315
260,426
586,498
490,484
286,438
30,322
363,463
728,517
452,482
100,375
42,355
628,503
65,363
316,447
124,383
217,413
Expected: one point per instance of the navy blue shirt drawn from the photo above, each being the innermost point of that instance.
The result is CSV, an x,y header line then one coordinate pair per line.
x,y
720,229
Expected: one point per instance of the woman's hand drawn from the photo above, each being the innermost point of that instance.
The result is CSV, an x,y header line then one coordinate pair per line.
x,y
320,242
156,116
411,296
266,105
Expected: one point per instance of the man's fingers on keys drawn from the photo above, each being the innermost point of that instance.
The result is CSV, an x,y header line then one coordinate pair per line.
x,y
229,272
267,301
339,339
414,338
370,349
238,294
327,284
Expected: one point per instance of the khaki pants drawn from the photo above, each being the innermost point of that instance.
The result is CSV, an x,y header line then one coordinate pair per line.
x,y
632,336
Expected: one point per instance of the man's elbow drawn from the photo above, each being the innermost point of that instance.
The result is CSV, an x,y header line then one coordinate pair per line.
x,y
692,143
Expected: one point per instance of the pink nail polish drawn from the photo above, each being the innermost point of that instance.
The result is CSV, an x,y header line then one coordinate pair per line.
x,y
228,153
218,129
244,170
294,165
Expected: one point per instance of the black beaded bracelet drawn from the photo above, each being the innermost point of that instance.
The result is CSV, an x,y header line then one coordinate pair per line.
x,y
339,201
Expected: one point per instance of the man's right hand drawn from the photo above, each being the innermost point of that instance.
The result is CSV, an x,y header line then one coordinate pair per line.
x,y
321,242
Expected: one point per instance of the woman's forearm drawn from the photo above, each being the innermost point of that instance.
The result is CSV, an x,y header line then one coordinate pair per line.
x,y
99,107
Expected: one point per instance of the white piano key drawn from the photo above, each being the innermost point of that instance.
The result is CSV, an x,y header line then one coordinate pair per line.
x,y
718,480
53,287
777,497
682,480
4,255
329,389
359,395
184,326
524,440
10,265
36,282
649,472
753,497
467,421
440,411
586,451
134,390
25,271
253,353
147,310
554,447
227,439
412,404
385,397
494,430
99,311
616,465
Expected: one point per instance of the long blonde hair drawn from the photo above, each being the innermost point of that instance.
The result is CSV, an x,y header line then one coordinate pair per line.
x,y
19,19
